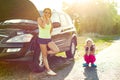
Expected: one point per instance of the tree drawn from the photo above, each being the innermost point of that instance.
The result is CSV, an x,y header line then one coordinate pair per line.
x,y
95,16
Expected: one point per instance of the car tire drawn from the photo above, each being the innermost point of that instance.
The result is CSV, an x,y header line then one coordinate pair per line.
x,y
37,65
70,53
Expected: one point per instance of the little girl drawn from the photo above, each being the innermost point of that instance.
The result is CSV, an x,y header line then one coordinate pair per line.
x,y
89,56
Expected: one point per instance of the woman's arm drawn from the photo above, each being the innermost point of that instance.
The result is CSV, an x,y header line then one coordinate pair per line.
x,y
51,27
40,22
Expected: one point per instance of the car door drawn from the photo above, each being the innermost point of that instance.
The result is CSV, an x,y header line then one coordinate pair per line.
x,y
57,37
61,35
67,27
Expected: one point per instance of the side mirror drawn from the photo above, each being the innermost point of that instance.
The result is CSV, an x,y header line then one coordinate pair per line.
x,y
56,24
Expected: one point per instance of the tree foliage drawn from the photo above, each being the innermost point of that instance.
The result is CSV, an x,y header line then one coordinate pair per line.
x,y
94,16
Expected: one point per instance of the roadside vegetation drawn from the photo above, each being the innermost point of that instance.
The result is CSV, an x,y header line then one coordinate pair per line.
x,y
94,16
101,42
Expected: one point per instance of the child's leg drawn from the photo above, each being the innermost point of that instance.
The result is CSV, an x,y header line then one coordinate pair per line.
x,y
86,58
92,60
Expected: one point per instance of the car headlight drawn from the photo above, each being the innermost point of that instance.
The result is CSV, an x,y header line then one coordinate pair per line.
x,y
20,38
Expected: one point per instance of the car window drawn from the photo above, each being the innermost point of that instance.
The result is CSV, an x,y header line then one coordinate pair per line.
x,y
68,19
64,21
55,17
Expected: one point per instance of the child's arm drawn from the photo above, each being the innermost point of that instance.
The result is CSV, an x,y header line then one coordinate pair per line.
x,y
93,52
87,51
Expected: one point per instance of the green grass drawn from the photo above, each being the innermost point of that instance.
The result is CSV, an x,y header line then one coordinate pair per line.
x,y
101,42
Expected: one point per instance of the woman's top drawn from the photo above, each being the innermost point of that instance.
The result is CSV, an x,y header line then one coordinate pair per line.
x,y
45,32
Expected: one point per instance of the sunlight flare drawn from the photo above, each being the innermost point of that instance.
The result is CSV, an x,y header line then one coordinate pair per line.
x,y
53,4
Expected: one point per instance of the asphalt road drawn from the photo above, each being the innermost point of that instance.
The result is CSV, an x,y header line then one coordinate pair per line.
x,y
108,67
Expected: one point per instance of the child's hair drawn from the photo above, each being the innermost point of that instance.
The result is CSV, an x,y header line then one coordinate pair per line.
x,y
89,39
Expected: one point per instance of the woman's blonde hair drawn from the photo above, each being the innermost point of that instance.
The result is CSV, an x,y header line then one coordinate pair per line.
x,y
49,10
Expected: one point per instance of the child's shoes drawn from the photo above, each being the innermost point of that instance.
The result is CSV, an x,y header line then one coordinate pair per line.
x,y
85,65
93,65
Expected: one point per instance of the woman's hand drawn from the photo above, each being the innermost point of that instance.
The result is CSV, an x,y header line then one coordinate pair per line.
x,y
41,22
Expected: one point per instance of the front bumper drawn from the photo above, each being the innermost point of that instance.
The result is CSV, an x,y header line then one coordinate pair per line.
x,y
10,51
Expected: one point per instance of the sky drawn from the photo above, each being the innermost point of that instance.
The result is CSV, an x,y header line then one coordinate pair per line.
x,y
57,4
53,4
118,6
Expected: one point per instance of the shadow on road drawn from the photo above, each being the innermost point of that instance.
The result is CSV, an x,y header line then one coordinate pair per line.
x,y
59,65
20,70
90,73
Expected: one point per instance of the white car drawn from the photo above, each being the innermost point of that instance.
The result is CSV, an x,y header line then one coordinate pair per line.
x,y
18,39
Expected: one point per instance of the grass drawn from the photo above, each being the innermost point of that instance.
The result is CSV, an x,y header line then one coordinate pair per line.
x,y
101,42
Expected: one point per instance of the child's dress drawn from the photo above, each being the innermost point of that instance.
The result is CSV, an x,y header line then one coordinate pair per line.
x,y
90,58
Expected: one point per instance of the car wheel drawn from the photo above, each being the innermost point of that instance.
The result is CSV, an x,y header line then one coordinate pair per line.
x,y
70,53
36,64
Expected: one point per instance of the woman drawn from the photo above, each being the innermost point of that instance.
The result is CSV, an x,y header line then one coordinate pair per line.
x,y
44,38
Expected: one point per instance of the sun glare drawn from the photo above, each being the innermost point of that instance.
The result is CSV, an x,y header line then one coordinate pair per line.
x,y
53,4
69,1
72,1
57,4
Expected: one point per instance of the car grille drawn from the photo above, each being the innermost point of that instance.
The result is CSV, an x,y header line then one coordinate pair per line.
x,y
1,38
1,50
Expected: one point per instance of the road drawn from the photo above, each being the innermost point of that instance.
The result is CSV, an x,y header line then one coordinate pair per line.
x,y
108,67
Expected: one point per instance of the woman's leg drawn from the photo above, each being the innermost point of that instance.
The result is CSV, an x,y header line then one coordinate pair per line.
x,y
53,48
45,60
43,48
